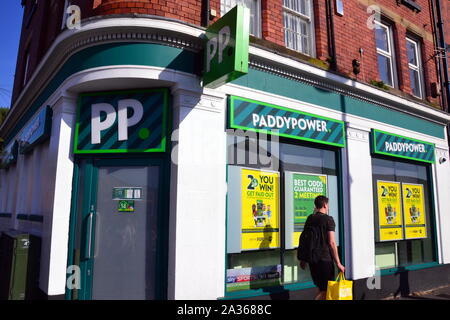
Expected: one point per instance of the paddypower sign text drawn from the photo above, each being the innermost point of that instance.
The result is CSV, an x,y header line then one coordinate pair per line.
x,y
398,146
121,122
258,116
226,48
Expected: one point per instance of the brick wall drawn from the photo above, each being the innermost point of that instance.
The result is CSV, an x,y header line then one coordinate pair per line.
x,y
350,30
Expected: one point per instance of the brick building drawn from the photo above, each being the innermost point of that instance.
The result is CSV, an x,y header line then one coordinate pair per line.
x,y
356,90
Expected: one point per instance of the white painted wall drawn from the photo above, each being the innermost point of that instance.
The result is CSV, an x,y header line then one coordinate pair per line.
x,y
441,176
358,196
56,227
197,237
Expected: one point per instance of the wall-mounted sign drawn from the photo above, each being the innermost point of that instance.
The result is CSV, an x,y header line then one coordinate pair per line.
x,y
390,220
10,154
414,211
260,210
247,114
125,206
127,193
402,147
36,131
122,122
305,188
226,48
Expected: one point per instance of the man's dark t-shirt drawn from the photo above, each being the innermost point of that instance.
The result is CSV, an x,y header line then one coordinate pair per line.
x,y
325,223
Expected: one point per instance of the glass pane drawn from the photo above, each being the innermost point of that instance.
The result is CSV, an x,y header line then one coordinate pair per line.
x,y
408,251
415,83
411,51
384,67
125,236
381,38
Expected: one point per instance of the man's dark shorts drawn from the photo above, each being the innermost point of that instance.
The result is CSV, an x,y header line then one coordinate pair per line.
x,y
321,273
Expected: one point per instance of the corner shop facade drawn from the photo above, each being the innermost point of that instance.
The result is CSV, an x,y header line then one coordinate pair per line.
x,y
187,183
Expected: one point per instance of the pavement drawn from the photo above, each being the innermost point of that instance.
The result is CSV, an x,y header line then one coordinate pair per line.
x,y
442,293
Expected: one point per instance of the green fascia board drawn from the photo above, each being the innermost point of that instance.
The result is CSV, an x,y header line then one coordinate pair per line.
x,y
275,84
123,53
234,126
150,54
375,151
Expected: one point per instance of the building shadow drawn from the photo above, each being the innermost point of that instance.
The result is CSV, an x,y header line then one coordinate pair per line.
x,y
404,288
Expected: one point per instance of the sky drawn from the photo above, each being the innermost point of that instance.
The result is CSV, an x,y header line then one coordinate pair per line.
x,y
10,24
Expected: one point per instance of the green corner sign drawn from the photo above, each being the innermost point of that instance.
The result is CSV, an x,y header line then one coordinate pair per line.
x,y
402,147
226,49
122,122
248,114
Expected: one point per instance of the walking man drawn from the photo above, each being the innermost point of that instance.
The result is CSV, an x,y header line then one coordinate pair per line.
x,y
322,269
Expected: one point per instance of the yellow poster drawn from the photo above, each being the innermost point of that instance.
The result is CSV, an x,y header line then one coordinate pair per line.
x,y
389,211
260,210
414,208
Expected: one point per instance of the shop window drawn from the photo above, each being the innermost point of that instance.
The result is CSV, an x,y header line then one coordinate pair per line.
x,y
403,225
299,25
385,53
415,67
271,191
255,12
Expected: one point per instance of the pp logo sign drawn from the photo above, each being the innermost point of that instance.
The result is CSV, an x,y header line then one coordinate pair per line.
x,y
98,125
122,121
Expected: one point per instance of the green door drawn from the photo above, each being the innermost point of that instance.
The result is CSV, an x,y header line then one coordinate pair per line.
x,y
118,238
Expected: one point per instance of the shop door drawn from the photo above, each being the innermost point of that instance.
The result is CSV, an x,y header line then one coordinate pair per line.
x,y
118,229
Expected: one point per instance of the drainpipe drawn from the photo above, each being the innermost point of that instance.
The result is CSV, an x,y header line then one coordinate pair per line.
x,y
205,13
330,34
442,44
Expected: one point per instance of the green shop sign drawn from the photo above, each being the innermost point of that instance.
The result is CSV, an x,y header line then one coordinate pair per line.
x,y
122,122
263,117
36,131
226,49
402,147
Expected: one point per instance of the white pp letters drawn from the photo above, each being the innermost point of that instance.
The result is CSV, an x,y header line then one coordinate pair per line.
x,y
97,126
221,41
110,116
124,121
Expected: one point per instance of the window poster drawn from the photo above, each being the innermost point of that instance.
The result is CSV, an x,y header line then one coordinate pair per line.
x,y
414,211
390,219
305,188
260,209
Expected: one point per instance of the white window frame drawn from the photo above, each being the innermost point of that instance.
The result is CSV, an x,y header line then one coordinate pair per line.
x,y
226,5
417,68
305,18
391,54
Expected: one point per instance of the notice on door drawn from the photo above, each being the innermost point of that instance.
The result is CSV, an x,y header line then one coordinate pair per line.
x,y
389,211
126,206
260,209
413,204
305,188
127,193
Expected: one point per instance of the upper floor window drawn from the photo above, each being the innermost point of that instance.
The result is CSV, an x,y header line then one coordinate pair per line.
x,y
415,67
255,12
27,67
385,53
299,25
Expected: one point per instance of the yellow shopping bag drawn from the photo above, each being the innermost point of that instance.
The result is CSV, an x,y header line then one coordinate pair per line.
x,y
340,289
